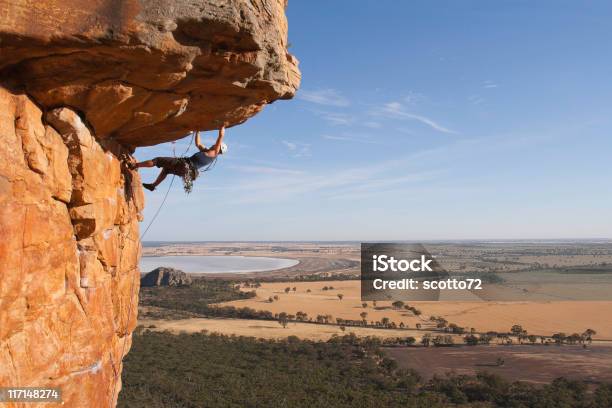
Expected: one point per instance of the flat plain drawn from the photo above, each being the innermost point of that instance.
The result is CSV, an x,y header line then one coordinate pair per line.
x,y
324,290
542,318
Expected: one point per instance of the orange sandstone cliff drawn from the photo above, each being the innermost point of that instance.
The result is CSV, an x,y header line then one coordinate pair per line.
x,y
82,83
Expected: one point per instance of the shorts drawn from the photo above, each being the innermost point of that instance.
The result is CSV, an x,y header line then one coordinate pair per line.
x,y
172,165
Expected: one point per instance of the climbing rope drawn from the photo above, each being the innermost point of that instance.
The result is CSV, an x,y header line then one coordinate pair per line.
x,y
116,371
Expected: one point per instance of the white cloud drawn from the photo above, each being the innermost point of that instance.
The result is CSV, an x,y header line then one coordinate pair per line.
x,y
396,110
476,99
489,84
372,125
304,151
266,170
348,138
361,180
289,145
329,97
413,98
336,118
365,189
297,149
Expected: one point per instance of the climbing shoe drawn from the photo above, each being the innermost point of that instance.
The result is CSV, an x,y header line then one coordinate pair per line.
x,y
149,186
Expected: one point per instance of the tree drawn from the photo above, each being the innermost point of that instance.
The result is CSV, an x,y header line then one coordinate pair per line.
x,y
342,328
588,335
364,305
485,339
276,297
388,364
470,340
418,326
283,319
516,329
287,289
385,321
456,329
340,296
308,290
398,304
445,340
363,315
574,338
426,340
559,338
294,289
270,299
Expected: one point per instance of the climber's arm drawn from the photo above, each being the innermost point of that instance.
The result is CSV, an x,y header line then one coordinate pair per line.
x,y
217,146
198,144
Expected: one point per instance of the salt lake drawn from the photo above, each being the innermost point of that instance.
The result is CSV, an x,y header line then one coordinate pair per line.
x,y
215,264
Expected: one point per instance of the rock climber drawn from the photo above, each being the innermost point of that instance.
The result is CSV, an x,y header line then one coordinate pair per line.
x,y
185,167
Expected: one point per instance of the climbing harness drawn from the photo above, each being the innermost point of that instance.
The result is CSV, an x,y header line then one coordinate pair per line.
x,y
190,173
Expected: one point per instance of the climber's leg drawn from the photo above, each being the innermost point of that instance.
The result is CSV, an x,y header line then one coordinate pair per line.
x,y
161,177
158,180
146,163
136,165
169,165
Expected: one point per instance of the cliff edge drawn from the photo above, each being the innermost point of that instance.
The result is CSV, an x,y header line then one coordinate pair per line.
x,y
82,83
148,71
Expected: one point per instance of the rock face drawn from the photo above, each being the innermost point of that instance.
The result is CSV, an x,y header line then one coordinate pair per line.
x,y
69,253
82,83
147,71
165,277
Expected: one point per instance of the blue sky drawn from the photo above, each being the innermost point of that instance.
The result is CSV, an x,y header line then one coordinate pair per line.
x,y
418,121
